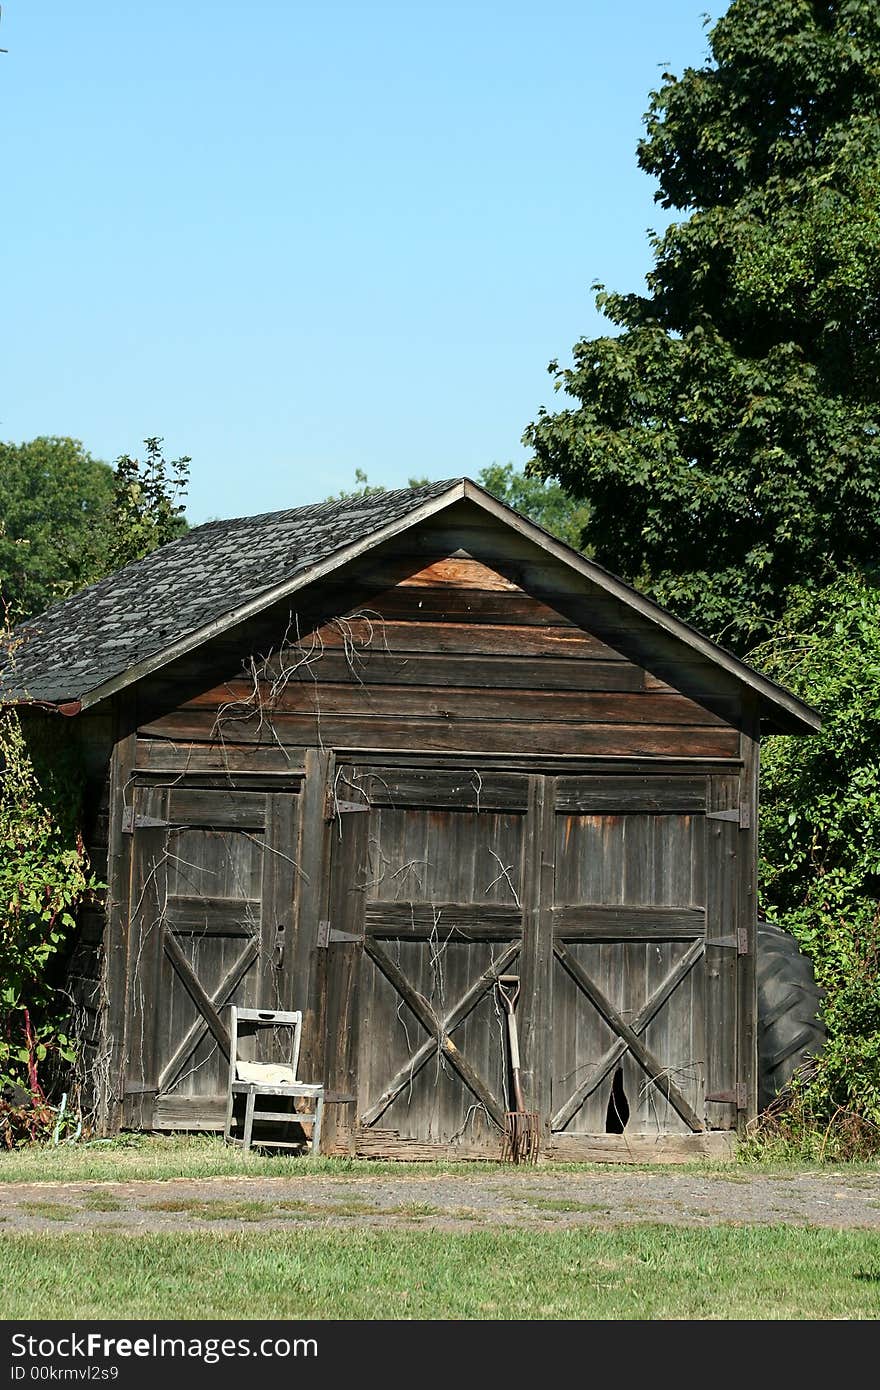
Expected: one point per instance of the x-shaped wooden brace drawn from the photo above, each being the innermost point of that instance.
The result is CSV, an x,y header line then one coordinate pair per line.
x,y
628,1039
438,1030
207,1004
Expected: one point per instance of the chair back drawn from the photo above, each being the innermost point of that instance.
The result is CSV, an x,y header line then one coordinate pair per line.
x,y
246,1025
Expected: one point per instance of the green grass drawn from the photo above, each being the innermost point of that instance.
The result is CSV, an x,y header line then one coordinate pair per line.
x,y
136,1157
100,1201
560,1204
643,1272
50,1211
255,1210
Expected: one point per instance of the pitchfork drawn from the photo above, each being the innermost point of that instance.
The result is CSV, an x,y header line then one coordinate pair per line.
x,y
521,1127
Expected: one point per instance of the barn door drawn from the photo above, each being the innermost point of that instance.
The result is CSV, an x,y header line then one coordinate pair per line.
x,y
428,881
212,900
645,942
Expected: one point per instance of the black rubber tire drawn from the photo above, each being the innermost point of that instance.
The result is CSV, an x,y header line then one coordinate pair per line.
x,y
790,1030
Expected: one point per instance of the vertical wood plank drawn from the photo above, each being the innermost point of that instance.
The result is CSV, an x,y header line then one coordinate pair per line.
x,y
148,1009
747,1067
722,919
281,881
343,1028
305,967
111,1085
537,897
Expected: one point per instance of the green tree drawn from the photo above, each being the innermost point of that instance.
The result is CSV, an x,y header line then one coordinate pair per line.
x,y
147,509
53,501
820,823
542,500
67,519
726,436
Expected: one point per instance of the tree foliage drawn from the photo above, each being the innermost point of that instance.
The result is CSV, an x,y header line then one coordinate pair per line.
x,y
820,824
726,436
148,507
44,876
542,500
54,500
67,519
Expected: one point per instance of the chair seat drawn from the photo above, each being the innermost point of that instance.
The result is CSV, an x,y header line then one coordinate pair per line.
x,y
294,1088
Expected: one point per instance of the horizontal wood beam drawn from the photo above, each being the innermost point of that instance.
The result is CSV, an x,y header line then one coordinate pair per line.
x,y
207,916
619,796
198,807
417,921
591,922
442,734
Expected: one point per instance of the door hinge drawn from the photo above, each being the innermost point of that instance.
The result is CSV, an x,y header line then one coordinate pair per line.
x,y
739,815
328,936
737,1097
342,807
740,941
131,822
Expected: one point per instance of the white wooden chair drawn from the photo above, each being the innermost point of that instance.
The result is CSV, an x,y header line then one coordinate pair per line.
x,y
276,1079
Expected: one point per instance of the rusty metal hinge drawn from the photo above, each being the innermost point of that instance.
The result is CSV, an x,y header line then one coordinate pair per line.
x,y
738,1096
328,936
739,815
131,822
740,940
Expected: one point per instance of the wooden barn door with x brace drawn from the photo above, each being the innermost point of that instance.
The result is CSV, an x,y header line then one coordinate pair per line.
x,y
213,898
612,899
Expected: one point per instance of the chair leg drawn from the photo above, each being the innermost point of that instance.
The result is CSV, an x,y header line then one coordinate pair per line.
x,y
249,1118
227,1132
316,1128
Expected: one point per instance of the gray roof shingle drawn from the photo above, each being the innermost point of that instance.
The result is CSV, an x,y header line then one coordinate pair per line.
x,y
142,610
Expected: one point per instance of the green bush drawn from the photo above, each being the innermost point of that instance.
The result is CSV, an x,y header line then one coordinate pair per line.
x,y
820,828
44,876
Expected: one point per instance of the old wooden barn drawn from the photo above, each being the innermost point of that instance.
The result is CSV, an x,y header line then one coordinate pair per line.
x,y
363,757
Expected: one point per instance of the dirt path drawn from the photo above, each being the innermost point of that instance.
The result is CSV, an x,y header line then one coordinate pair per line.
x,y
517,1198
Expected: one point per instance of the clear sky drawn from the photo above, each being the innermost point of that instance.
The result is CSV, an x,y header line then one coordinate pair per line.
x,y
300,239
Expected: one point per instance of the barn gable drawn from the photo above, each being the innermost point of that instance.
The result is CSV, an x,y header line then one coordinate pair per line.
x,y
490,645
220,575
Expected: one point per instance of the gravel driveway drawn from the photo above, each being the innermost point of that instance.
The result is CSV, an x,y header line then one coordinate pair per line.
x,y
513,1198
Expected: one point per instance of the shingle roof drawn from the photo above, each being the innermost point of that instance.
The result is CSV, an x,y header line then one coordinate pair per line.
x,y
142,610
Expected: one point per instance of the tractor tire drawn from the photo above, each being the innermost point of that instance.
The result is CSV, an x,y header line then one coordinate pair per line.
x,y
790,1030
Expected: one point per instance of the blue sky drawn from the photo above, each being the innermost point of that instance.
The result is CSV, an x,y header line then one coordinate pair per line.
x,y
296,240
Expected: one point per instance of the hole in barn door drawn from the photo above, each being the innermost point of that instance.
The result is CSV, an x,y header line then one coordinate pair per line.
x,y
618,1106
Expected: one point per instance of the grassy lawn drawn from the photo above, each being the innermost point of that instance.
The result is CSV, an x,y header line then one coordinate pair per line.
x,y
645,1272
133,1157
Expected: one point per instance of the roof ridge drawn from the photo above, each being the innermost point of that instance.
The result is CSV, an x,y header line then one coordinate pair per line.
x,y
343,503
